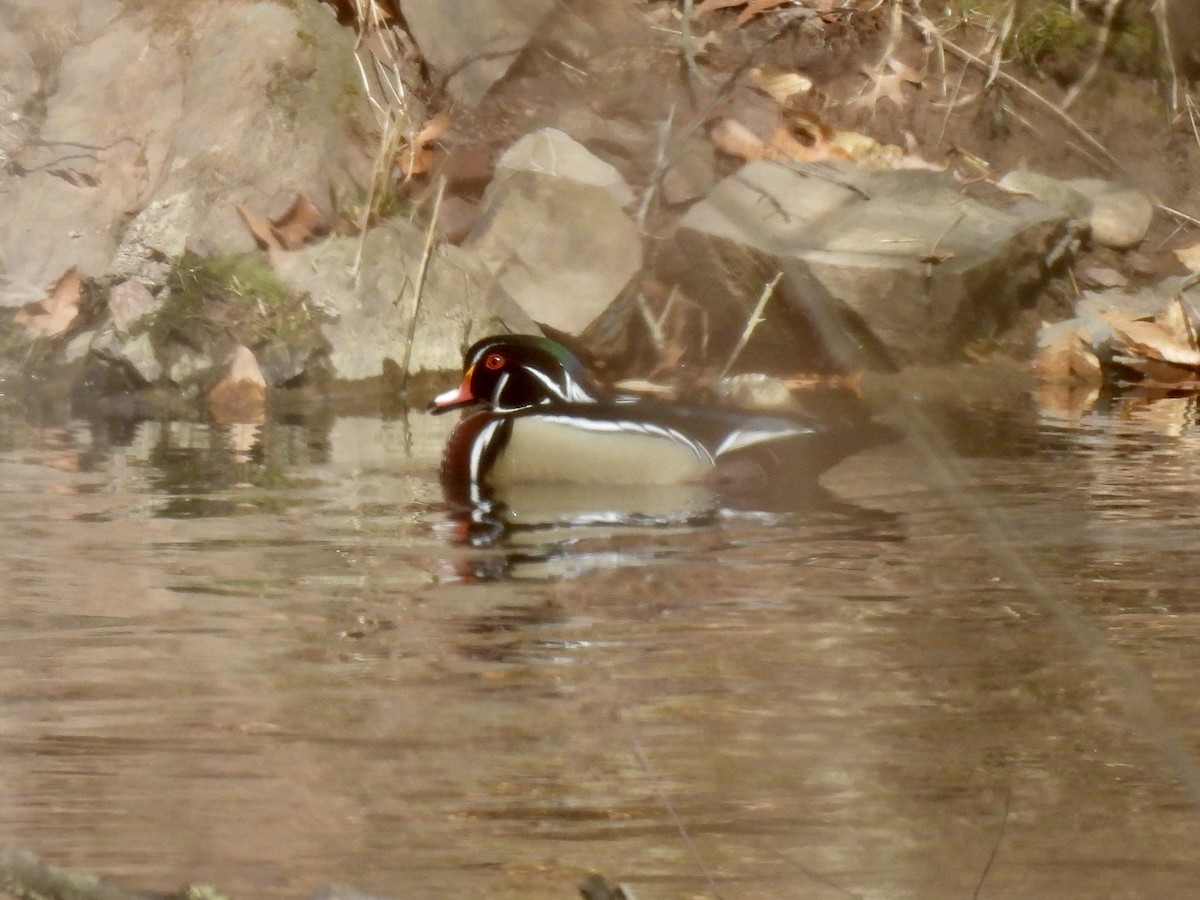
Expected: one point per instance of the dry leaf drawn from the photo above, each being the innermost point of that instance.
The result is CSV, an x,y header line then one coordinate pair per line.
x,y
1150,340
713,5
1190,257
880,85
241,396
417,157
288,232
732,137
55,314
301,221
781,86
1069,358
757,7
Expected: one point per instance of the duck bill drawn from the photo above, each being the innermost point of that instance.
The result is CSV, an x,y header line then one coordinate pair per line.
x,y
454,399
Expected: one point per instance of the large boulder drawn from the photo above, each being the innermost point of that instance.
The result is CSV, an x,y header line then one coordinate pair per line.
x,y
880,266
154,124
371,311
473,43
554,232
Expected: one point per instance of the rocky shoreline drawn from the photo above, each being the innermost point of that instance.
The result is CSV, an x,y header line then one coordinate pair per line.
x,y
231,205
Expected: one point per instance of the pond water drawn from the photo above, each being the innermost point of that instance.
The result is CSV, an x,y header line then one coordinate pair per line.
x,y
264,659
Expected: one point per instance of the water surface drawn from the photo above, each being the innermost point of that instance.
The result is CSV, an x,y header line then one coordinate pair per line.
x,y
263,658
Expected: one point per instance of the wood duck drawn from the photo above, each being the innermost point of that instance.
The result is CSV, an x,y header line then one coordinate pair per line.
x,y
542,418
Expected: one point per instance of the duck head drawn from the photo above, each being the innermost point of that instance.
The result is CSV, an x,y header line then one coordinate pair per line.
x,y
518,371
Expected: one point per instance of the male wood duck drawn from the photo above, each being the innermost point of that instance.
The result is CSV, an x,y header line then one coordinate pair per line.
x,y
543,418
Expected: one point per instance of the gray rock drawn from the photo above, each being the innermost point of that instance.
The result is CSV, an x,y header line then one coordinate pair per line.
x,y
1101,277
1051,191
562,249
188,368
139,355
128,303
892,266
156,236
1120,217
459,302
473,42
551,152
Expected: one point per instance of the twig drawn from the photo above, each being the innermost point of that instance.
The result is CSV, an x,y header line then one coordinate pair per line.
x,y
419,287
1165,39
660,166
752,322
1111,8
689,48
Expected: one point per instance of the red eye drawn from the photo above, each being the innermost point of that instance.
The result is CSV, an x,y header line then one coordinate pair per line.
x,y
494,361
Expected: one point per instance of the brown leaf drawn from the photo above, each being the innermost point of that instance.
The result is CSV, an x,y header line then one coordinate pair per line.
x,y
260,227
241,396
417,158
288,232
713,5
301,221
732,137
757,7
1069,358
55,314
1150,340
781,86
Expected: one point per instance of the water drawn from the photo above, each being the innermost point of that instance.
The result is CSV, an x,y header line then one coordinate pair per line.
x,y
264,660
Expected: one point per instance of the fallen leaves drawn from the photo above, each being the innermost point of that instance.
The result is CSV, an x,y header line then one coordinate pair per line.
x,y
1121,349
54,315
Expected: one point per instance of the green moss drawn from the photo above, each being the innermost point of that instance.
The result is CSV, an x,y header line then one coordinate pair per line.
x,y
231,297
1051,30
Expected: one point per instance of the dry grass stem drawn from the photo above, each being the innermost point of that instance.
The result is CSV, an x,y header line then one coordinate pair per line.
x,y
1111,8
755,318
419,287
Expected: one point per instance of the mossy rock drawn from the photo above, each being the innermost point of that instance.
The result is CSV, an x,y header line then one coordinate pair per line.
x,y
215,303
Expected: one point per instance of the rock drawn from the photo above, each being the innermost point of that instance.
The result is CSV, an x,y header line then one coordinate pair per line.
x,y
1101,277
139,356
1050,191
562,249
156,236
128,303
459,301
19,84
249,102
1120,216
474,43
187,368
551,152
881,267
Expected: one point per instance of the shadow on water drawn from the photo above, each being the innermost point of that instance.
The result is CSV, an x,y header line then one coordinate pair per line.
x,y
274,659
